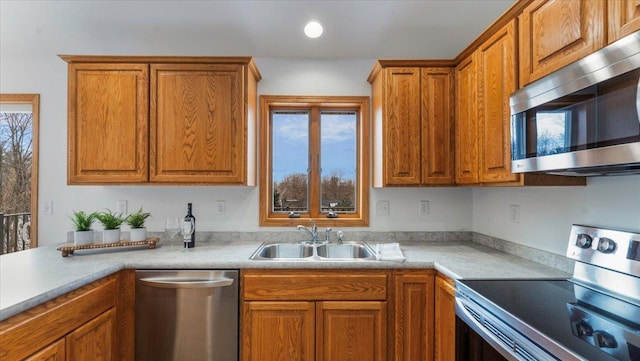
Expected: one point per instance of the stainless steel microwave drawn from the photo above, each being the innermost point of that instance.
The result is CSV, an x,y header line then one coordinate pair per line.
x,y
583,119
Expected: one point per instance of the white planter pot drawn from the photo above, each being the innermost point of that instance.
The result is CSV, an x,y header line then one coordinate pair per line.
x,y
82,238
138,234
111,236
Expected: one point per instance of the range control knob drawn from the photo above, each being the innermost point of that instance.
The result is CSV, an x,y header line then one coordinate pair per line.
x,y
604,340
584,241
582,329
606,245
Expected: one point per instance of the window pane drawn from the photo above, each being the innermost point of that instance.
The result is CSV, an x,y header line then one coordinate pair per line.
x,y
338,161
290,152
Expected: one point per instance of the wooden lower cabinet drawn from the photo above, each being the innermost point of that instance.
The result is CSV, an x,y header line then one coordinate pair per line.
x,y
93,340
275,331
305,315
445,319
351,331
92,323
413,321
53,352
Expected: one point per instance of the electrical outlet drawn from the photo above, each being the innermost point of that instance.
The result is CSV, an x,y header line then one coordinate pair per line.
x,y
382,208
424,208
220,208
515,213
47,208
122,207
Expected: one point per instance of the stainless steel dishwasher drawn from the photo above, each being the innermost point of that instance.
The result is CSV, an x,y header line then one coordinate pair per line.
x,y
186,315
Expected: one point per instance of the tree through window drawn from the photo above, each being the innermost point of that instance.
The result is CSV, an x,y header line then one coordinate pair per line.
x,y
315,155
18,171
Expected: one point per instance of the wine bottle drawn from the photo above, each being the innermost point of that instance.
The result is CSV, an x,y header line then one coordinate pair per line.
x,y
190,240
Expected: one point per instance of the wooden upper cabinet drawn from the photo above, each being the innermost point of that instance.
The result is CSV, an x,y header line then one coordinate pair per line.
x,y
180,120
466,130
197,127
402,127
555,33
497,66
413,123
437,126
108,123
623,19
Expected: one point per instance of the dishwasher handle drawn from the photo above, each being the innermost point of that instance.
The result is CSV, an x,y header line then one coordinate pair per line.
x,y
169,282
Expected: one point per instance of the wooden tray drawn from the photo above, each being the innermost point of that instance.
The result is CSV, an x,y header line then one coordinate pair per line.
x,y
69,248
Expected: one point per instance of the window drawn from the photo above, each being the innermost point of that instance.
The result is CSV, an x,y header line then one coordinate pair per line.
x,y
19,122
314,160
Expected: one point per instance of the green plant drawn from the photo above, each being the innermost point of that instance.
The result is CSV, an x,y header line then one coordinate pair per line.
x,y
111,220
137,219
83,221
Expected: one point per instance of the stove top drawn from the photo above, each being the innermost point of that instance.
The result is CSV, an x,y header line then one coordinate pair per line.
x,y
595,315
558,317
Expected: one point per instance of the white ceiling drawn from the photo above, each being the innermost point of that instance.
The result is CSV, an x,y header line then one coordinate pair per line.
x,y
263,29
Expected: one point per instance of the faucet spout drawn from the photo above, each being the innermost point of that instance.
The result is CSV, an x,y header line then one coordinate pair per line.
x,y
313,232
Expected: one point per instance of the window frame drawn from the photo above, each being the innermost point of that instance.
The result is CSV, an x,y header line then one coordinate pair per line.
x,y
282,102
34,101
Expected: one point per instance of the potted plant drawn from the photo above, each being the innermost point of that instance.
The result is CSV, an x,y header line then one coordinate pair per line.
x,y
136,221
82,222
111,222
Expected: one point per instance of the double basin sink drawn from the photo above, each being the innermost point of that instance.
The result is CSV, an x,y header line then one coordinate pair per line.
x,y
347,251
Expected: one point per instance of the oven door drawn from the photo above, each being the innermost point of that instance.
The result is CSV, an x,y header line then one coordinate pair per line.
x,y
499,340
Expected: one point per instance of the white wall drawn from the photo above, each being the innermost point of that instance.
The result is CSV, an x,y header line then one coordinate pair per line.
x,y
35,68
547,213
32,36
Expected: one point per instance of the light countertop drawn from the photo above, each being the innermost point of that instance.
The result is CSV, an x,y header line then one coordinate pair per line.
x,y
31,277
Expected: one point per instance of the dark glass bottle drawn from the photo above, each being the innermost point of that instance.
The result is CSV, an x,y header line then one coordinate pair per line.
x,y
190,218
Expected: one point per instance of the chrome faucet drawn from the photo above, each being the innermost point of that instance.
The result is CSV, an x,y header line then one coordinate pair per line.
x,y
340,237
327,235
313,232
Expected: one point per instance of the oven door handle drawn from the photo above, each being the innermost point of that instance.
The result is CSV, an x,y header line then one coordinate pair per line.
x,y
514,352
638,100
475,325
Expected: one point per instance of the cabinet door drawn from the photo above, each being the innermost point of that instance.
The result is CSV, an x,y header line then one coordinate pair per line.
x,y
437,126
466,131
402,127
93,340
497,78
445,338
108,123
278,331
624,18
555,33
197,123
53,352
351,331
414,316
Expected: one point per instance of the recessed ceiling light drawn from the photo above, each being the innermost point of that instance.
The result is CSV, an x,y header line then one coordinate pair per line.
x,y
313,29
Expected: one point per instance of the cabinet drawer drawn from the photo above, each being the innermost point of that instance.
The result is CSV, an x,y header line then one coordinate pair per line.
x,y
314,285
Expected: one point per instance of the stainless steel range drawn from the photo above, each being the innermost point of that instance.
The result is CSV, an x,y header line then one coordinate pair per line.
x,y
594,315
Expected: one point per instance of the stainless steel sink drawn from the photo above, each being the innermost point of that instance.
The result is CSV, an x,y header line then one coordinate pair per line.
x,y
283,251
345,251
352,251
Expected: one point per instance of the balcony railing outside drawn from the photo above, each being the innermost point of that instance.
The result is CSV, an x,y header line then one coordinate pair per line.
x,y
14,232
